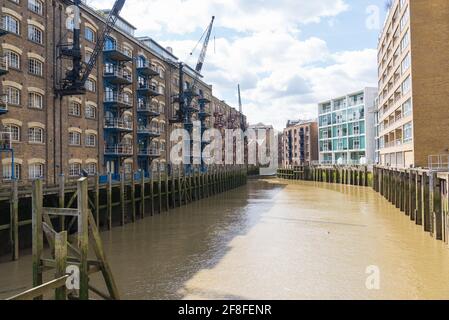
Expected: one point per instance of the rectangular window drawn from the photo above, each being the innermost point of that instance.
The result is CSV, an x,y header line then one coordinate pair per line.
x,y
406,85
35,34
406,63
35,67
405,18
405,41
407,108
408,133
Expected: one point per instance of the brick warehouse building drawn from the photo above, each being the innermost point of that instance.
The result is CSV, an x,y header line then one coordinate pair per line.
x,y
123,122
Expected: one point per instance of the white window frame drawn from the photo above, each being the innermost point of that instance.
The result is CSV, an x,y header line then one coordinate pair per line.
x,y
36,135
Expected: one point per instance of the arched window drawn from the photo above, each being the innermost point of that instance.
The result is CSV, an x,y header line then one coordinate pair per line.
x,y
91,85
91,111
89,34
74,109
7,171
141,62
110,44
75,169
35,135
35,100
36,170
13,59
13,95
35,34
35,67
91,140
91,168
11,24
15,132
74,138
36,6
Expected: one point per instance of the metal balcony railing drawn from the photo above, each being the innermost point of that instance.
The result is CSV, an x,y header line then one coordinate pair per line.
x,y
147,69
3,103
118,99
120,74
114,123
151,152
117,52
118,149
3,65
148,130
148,107
148,88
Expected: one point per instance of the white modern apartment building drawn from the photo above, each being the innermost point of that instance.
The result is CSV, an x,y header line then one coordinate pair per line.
x,y
347,128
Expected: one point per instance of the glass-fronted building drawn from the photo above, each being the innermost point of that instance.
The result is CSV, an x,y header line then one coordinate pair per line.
x,y
347,128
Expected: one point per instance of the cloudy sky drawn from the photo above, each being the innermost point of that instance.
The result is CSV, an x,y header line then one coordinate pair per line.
x,y
287,54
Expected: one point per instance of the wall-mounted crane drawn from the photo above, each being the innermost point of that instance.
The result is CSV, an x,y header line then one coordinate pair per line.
x,y
75,79
188,94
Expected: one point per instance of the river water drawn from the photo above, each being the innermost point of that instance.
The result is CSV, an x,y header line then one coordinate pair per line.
x,y
271,240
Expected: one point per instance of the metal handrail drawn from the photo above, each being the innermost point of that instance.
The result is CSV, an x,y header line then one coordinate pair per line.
x,y
118,72
118,98
126,149
118,123
149,129
4,63
108,46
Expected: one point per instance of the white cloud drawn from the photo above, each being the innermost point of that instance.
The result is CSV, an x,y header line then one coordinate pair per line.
x,y
282,75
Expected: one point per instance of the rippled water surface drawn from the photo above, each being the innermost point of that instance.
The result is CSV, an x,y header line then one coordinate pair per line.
x,y
271,240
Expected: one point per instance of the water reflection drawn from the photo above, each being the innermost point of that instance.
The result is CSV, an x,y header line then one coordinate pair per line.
x,y
271,240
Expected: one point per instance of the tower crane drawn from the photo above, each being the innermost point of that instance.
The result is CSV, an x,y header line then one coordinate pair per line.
x,y
186,96
75,79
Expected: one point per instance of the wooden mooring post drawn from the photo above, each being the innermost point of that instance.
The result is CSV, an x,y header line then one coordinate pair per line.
x,y
114,202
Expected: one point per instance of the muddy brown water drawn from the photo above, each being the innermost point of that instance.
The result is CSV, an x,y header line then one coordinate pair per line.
x,y
271,240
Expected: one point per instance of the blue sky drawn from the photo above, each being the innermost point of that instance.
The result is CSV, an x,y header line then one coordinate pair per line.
x,y
287,54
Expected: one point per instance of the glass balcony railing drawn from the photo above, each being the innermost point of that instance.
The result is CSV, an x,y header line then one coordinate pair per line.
x,y
3,104
150,152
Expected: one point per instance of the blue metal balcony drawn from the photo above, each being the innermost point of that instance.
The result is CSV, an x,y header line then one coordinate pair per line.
x,y
3,66
3,27
118,100
114,52
118,125
148,90
118,150
3,104
149,109
149,152
145,69
117,75
148,131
